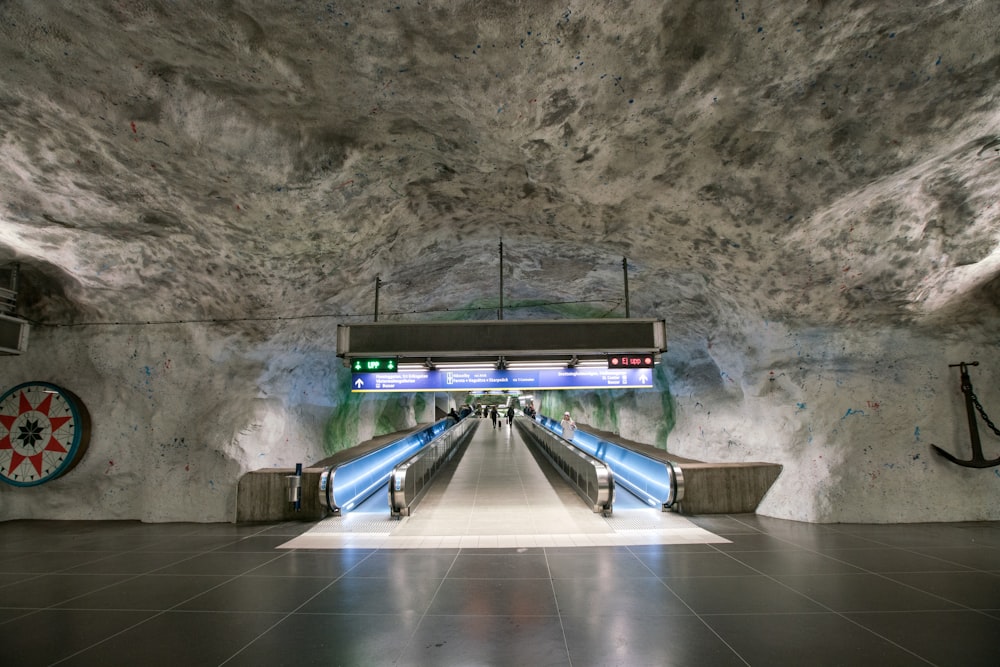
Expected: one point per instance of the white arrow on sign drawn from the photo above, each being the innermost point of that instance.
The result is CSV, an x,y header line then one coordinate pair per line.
x,y
359,383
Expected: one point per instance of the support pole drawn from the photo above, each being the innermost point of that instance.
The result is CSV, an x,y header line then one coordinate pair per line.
x,y
378,285
500,311
625,271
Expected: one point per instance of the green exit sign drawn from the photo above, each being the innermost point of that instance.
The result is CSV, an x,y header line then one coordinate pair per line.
x,y
374,365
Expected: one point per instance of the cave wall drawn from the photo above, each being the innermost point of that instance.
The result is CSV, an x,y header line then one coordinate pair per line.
x,y
850,414
181,412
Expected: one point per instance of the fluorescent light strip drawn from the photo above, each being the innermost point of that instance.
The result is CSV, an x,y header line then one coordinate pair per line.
x,y
536,365
464,365
540,364
411,368
592,363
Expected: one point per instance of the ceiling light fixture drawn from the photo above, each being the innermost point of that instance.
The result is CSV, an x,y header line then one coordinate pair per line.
x,y
539,365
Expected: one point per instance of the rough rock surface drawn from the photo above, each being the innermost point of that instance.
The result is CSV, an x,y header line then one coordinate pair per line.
x,y
197,193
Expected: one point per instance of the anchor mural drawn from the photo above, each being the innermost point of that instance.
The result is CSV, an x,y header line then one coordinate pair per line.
x,y
972,404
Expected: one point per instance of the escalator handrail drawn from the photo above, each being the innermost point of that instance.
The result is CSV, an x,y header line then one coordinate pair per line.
x,y
657,482
599,488
403,490
381,462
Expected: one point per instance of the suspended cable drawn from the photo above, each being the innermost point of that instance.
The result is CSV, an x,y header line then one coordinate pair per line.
x,y
289,318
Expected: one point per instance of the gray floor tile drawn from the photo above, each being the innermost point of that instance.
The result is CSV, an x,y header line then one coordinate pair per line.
x,y
191,543
693,564
275,594
44,637
147,592
478,565
626,597
739,595
755,542
495,597
51,589
976,557
863,592
255,543
178,638
646,640
10,614
406,564
327,563
471,639
778,639
48,561
374,596
945,638
793,562
893,560
220,562
325,640
131,562
596,564
977,590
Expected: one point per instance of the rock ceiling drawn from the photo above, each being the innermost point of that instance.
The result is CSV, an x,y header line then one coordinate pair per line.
x,y
821,163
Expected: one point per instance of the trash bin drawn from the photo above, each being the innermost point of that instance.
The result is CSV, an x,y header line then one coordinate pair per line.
x,y
294,485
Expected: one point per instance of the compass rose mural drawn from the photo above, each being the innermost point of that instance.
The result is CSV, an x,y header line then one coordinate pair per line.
x,y
44,431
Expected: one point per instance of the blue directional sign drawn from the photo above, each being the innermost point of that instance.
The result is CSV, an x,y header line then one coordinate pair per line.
x,y
482,380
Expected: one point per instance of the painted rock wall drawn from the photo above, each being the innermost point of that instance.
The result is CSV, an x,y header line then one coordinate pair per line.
x,y
850,416
180,413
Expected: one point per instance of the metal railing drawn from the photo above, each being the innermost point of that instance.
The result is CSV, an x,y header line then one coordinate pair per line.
x,y
410,479
591,478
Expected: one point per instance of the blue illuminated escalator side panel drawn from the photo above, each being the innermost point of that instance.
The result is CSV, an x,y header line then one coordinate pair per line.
x,y
650,480
356,480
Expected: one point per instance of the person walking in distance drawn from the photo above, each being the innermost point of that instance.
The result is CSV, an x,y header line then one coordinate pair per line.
x,y
494,415
568,427
510,416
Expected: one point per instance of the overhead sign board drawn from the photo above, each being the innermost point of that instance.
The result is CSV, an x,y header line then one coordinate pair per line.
x,y
418,341
483,380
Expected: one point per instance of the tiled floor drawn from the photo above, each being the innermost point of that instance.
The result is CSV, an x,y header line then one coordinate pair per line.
x,y
772,592
779,593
